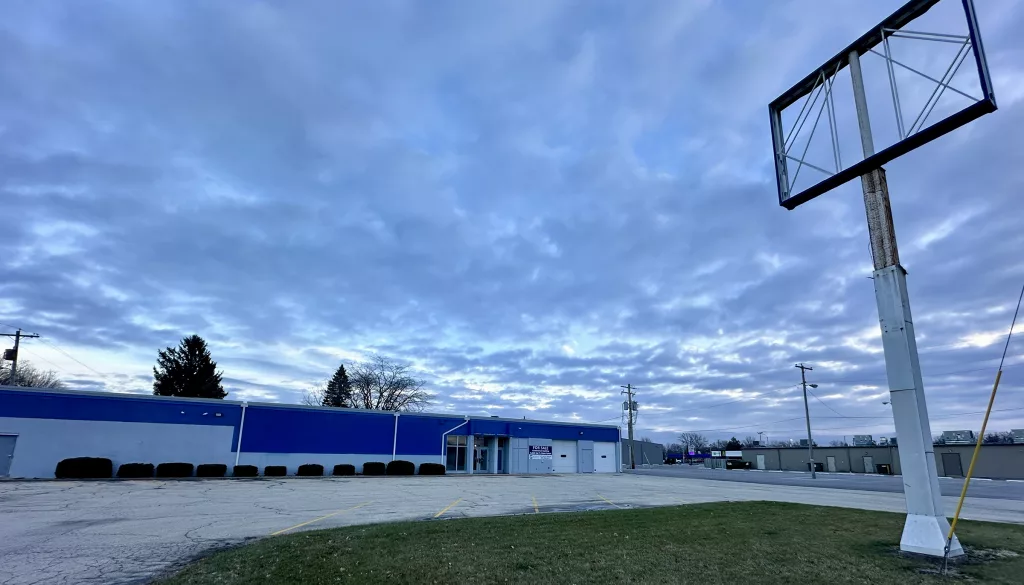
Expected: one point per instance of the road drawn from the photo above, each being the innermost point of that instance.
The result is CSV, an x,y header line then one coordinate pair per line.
x,y
979,488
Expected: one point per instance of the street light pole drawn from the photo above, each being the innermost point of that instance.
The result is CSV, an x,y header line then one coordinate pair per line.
x,y
807,415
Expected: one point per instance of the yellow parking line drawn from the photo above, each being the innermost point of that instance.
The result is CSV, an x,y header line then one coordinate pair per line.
x,y
609,501
536,510
448,507
319,519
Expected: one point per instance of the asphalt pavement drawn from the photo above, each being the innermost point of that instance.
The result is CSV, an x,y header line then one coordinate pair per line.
x,y
950,486
127,532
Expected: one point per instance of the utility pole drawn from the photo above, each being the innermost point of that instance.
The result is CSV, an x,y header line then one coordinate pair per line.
x,y
13,354
807,415
760,442
631,413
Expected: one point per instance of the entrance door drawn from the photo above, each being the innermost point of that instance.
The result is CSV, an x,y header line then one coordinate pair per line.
x,y
869,464
7,453
830,462
760,461
951,465
586,455
480,457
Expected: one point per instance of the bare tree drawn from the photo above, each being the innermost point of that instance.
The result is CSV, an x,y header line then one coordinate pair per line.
x,y
645,440
750,442
837,444
315,395
380,383
720,445
693,441
31,377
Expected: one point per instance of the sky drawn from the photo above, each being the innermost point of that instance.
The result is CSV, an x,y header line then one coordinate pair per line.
x,y
530,203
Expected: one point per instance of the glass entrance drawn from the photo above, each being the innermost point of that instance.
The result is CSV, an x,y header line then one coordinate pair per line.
x,y
480,460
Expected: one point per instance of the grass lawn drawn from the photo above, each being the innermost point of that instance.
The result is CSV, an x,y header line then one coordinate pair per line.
x,y
741,542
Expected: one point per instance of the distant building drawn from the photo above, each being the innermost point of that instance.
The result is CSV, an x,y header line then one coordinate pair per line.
x,y
959,437
863,441
1018,436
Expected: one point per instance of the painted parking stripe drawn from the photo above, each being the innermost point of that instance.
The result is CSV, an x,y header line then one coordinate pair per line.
x,y
536,509
609,501
448,507
308,522
1016,480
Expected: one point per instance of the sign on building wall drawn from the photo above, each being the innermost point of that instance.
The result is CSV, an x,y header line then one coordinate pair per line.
x,y
540,451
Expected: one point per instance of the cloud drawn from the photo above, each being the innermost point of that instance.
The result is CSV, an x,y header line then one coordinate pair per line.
x,y
530,204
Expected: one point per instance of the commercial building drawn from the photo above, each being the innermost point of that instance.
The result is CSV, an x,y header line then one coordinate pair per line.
x,y
38,428
994,461
645,452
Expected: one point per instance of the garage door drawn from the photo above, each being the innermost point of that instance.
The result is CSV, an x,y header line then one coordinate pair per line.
x,y
604,457
564,453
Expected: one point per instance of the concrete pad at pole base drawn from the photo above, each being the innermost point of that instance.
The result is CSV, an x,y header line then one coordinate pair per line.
x,y
926,535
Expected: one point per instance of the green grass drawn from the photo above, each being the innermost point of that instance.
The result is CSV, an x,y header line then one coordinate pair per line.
x,y
748,542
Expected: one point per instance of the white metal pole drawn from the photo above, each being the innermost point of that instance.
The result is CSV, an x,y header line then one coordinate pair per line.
x,y
926,527
241,427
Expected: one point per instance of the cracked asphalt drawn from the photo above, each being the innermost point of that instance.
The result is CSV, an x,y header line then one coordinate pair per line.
x,y
115,532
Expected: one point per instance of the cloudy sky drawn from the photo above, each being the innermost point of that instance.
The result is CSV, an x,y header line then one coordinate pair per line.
x,y
530,202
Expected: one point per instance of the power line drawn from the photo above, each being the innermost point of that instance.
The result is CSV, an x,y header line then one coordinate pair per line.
x,y
825,405
744,399
74,359
45,360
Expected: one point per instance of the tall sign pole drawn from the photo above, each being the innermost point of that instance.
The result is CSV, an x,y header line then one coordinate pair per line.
x,y
926,526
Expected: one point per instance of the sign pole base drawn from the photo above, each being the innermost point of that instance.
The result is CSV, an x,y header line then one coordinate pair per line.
x,y
926,535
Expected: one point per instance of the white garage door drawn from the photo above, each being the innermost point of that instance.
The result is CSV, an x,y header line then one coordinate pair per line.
x,y
604,457
564,455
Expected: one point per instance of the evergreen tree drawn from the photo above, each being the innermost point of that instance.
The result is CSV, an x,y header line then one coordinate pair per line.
x,y
338,392
187,370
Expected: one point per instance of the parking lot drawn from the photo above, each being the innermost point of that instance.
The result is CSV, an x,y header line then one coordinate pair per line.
x,y
131,531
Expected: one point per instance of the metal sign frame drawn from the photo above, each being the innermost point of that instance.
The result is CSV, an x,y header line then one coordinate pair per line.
x,y
819,84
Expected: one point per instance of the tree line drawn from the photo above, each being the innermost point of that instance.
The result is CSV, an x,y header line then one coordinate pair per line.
x,y
379,383
189,370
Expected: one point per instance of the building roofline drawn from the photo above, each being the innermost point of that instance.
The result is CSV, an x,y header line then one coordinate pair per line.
x,y
131,396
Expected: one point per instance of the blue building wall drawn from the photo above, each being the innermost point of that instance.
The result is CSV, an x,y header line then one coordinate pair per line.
x,y
53,425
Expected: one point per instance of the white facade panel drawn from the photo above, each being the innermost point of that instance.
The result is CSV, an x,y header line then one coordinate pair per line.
x,y
564,456
43,442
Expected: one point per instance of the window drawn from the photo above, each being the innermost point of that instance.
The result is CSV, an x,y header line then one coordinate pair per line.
x,y
455,459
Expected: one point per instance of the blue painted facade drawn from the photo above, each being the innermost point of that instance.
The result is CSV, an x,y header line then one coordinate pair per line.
x,y
268,429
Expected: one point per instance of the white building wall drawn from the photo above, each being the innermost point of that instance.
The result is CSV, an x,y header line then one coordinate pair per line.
x,y
42,443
